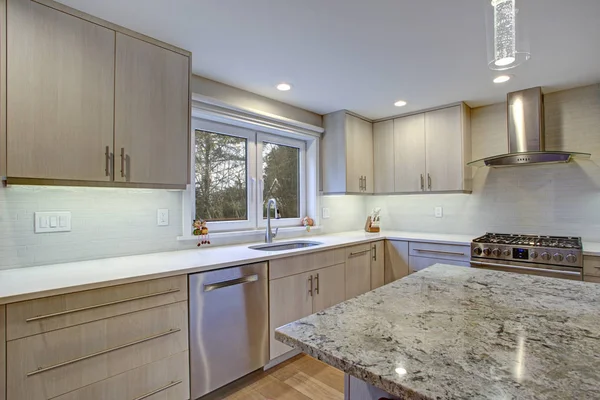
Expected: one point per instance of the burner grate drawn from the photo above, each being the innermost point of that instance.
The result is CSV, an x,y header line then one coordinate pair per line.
x,y
562,242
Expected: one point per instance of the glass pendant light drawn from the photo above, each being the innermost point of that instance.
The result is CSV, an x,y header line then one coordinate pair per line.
x,y
504,52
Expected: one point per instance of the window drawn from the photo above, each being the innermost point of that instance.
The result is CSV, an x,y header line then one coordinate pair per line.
x,y
238,170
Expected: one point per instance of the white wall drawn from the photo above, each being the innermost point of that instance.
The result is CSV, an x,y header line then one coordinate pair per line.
x,y
559,199
347,213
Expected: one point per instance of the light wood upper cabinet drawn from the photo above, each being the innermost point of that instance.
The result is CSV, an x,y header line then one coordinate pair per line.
x,y
151,113
409,153
431,150
377,264
445,149
383,157
329,287
358,270
60,94
347,154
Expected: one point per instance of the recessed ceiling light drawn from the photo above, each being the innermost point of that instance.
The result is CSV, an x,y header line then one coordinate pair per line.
x,y
400,103
284,87
501,79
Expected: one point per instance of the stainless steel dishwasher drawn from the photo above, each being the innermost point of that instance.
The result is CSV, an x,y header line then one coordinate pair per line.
x,y
229,325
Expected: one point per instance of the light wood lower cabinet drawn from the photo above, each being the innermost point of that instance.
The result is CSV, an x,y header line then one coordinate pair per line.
x,y
54,363
591,266
166,379
358,270
396,260
2,355
298,296
377,264
31,317
418,263
594,279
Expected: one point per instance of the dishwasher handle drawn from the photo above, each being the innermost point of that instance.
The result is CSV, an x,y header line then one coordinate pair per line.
x,y
238,281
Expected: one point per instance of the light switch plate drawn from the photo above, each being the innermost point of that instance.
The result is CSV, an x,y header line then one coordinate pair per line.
x,y
162,217
326,213
439,212
52,221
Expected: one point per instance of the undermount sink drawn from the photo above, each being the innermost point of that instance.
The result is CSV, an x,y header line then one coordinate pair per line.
x,y
298,244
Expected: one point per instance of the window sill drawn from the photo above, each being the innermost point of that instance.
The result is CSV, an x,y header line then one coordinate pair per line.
x,y
250,234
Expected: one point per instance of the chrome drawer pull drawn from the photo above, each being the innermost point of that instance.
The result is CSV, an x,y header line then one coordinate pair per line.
x,y
232,282
554,271
170,385
453,253
111,303
357,253
99,353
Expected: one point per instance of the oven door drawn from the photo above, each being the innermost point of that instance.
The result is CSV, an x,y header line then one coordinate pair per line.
x,y
552,271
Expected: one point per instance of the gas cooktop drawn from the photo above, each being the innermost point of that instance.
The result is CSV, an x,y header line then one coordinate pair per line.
x,y
561,242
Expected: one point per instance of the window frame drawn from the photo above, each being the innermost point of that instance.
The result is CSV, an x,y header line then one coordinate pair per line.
x,y
250,136
254,174
302,171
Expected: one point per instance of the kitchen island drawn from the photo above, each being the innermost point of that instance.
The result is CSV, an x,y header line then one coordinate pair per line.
x,y
450,332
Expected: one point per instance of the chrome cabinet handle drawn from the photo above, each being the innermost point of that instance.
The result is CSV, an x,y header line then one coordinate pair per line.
x,y
453,253
554,271
317,284
231,282
374,252
365,184
170,385
107,161
422,183
428,181
357,253
310,291
99,353
110,303
122,162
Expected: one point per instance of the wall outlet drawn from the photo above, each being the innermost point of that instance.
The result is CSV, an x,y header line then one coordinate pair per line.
x,y
325,213
439,212
162,217
50,222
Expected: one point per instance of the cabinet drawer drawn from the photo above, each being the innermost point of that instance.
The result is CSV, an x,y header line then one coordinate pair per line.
x,y
416,264
591,266
303,263
441,251
167,379
54,363
44,315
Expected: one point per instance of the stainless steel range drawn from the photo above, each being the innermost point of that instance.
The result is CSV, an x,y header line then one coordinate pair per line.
x,y
555,256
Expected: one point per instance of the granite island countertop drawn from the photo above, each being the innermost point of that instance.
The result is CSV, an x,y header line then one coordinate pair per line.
x,y
450,332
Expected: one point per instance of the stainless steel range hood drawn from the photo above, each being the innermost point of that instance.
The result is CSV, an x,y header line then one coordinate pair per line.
x,y
526,141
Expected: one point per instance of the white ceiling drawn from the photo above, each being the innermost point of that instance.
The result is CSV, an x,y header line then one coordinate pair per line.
x,y
363,55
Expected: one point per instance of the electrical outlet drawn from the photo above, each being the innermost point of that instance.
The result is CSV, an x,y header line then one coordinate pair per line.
x,y
326,213
439,212
162,217
50,222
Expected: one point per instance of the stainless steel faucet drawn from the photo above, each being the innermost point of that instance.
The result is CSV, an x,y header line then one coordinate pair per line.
x,y
269,235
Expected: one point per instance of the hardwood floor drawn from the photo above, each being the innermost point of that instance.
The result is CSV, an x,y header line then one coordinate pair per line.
x,y
300,378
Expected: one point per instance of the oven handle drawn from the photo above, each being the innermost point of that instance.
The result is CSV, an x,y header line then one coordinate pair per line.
x,y
555,271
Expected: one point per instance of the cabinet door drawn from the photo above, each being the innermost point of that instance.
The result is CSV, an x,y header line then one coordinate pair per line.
x,y
151,113
330,287
60,95
2,355
358,270
377,265
409,150
444,148
359,154
290,299
396,260
383,157
418,263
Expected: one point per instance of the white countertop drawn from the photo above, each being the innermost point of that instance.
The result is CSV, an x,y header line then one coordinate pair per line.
x,y
34,282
